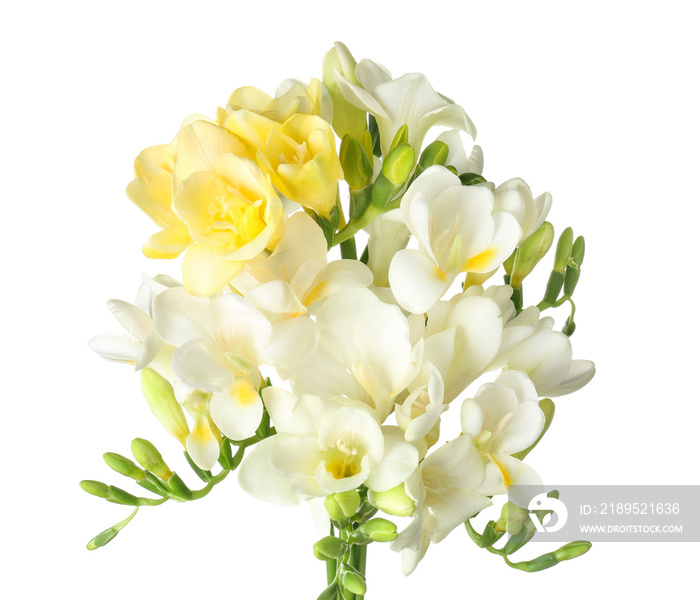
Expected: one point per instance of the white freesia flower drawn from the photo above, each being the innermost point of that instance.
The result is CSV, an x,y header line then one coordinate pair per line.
x,y
364,353
141,345
222,342
409,100
461,337
297,273
530,345
387,235
457,156
446,491
502,419
457,230
514,196
322,447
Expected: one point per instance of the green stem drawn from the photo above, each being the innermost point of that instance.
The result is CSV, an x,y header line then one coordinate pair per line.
x,y
348,249
361,562
354,226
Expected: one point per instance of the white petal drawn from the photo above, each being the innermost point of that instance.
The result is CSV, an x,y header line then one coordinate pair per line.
x,y
179,317
199,365
202,445
237,327
133,319
117,347
257,477
237,413
292,414
400,459
277,298
416,281
580,373
296,456
472,417
292,342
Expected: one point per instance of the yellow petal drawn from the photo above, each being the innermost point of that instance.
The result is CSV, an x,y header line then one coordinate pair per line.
x,y
168,243
204,272
153,195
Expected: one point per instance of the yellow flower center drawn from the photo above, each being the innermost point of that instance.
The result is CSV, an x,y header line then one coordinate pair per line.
x,y
342,461
232,212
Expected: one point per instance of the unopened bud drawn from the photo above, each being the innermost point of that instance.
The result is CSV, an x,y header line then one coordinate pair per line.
x,y
530,252
394,502
149,458
401,137
379,530
512,518
161,398
399,163
342,505
352,580
96,488
564,246
578,251
471,178
357,167
330,548
347,118
572,550
178,487
123,466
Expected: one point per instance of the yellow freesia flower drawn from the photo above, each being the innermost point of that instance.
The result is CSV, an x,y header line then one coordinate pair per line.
x,y
292,98
229,207
299,155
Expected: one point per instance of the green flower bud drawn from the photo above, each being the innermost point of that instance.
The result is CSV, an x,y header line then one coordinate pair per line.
x,y
352,580
149,458
435,153
106,536
577,251
572,550
569,326
393,502
401,137
512,518
554,285
399,163
571,279
564,246
123,466
161,398
536,564
379,530
342,505
178,487
347,118
357,167
471,178
96,488
330,548
120,496
530,252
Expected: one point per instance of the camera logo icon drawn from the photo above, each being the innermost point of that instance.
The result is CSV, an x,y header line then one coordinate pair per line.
x,y
559,512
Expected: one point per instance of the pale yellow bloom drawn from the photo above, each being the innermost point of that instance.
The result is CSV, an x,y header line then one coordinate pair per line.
x,y
292,98
299,155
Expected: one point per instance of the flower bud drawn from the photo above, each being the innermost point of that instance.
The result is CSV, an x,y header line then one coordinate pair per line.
x,y
120,496
352,580
330,593
149,458
399,163
394,502
178,487
401,137
347,118
512,518
564,246
123,466
530,252
577,251
356,165
571,279
342,505
379,530
435,153
96,488
572,550
161,398
471,178
330,548
554,285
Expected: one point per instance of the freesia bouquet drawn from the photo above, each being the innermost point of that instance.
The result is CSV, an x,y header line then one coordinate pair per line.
x,y
322,377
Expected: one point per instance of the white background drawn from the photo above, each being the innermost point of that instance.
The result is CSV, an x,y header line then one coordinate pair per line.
x,y
595,102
